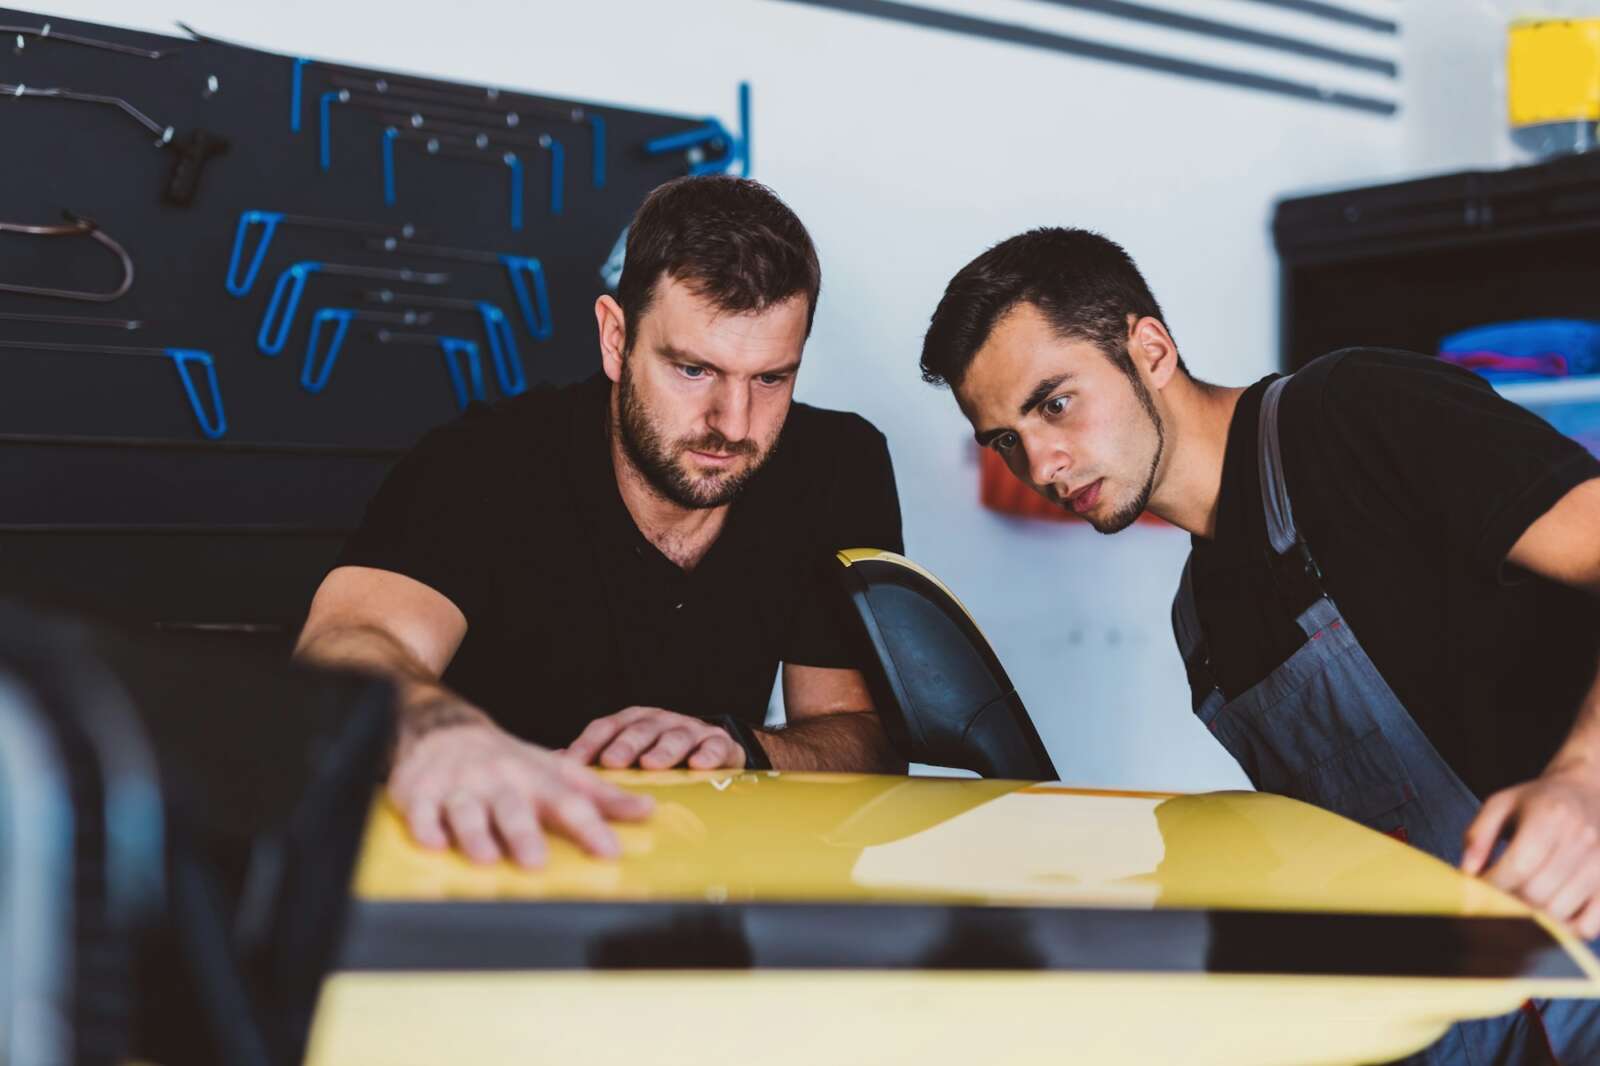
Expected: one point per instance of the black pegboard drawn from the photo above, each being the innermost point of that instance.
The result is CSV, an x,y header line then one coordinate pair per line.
x,y
94,161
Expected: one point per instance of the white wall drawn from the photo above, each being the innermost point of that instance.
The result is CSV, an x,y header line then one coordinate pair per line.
x,y
1454,60
907,151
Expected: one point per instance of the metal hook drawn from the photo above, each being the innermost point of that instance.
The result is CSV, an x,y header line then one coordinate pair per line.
x,y
75,227
521,272
46,33
240,283
213,424
451,348
292,285
314,377
464,137
128,324
164,134
463,148
496,331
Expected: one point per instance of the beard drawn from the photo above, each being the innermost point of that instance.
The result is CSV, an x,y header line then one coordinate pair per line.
x,y
661,463
1126,515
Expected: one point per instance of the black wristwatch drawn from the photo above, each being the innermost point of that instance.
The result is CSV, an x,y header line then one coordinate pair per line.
x,y
755,756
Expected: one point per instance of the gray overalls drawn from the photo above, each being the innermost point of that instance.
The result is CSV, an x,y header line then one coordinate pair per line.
x,y
1325,728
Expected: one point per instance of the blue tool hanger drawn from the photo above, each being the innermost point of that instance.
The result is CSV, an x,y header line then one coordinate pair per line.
x,y
597,149
317,368
489,122
497,332
711,135
454,350
297,79
270,221
474,142
183,360
525,274
373,81
325,126
480,148
291,286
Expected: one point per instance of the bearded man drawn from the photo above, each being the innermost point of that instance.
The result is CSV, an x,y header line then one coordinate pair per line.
x,y
621,566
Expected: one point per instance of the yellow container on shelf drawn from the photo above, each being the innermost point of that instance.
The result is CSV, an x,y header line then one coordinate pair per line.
x,y
1553,71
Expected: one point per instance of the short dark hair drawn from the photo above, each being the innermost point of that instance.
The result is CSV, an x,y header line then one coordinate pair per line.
x,y
731,240
1085,285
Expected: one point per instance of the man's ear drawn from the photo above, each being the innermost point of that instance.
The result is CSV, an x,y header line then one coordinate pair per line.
x,y
613,335
1153,349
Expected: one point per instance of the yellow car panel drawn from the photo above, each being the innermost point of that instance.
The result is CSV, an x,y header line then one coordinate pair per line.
x,y
885,919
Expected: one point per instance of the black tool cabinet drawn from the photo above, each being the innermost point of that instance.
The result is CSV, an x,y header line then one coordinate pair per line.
x,y
1403,265
123,495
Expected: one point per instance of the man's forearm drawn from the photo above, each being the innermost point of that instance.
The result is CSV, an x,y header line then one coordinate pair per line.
x,y
1581,751
423,704
849,741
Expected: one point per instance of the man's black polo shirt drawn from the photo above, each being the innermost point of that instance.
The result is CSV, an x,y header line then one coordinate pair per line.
x,y
513,513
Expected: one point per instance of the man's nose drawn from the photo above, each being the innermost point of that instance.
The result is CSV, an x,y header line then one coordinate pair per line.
x,y
1047,462
730,411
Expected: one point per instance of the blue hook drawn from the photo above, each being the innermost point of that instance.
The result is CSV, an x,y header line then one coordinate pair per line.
x,y
312,377
503,350
711,132
181,359
597,145
268,221
293,282
295,80
390,135
744,129
558,170
515,164
452,347
325,128
535,307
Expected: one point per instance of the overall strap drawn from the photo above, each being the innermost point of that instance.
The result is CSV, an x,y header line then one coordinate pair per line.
x,y
1294,570
1192,641
1281,531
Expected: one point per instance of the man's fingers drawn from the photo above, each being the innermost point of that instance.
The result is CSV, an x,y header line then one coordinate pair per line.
x,y
1485,830
468,820
1532,844
574,816
716,751
595,736
514,819
1587,922
668,750
622,751
1559,867
612,800
423,819
623,805
1580,888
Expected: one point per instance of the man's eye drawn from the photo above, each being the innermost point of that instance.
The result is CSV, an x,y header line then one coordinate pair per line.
x,y
1055,406
1005,442
772,379
693,371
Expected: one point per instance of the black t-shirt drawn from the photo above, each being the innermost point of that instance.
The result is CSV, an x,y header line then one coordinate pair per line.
x,y
513,513
1410,480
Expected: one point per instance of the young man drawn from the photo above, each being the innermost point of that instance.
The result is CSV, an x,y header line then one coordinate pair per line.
x,y
1389,606
620,566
